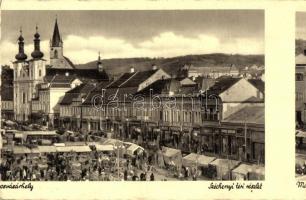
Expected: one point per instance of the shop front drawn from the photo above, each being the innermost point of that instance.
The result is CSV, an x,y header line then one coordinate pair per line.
x,y
207,139
258,147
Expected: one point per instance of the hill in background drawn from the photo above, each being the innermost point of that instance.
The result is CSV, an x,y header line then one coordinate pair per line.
x,y
172,65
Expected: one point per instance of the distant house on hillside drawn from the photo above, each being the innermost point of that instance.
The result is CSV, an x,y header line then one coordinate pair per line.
x,y
214,71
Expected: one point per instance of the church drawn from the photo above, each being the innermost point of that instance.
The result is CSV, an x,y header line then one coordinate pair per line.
x,y
39,87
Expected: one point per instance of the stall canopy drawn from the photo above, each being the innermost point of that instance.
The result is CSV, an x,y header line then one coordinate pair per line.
x,y
172,156
113,142
196,159
78,149
21,150
300,133
249,172
132,148
224,167
300,159
47,149
19,135
105,147
301,178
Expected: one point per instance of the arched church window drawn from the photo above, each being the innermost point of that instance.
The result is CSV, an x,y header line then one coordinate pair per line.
x,y
55,54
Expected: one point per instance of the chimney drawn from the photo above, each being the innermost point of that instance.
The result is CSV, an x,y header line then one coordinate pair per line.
x,y
132,69
154,67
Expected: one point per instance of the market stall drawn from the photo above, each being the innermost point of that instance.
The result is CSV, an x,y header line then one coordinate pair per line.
x,y
199,161
248,172
134,149
300,163
223,168
172,156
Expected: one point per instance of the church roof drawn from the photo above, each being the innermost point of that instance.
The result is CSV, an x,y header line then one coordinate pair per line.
x,y
56,38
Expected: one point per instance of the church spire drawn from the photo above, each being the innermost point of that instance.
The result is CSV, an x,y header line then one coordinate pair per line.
x,y
103,76
37,53
56,38
21,56
99,63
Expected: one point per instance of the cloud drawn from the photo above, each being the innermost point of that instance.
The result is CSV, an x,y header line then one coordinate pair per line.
x,y
168,44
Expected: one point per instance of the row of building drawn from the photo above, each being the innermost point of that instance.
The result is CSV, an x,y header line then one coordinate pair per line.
x,y
221,116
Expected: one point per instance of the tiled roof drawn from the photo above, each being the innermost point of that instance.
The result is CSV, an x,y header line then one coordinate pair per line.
x,y
258,83
222,84
138,78
76,92
121,80
161,86
69,62
96,91
82,74
250,114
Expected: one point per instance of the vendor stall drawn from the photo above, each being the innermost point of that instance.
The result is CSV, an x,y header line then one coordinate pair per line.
x,y
172,156
248,172
300,163
134,149
199,161
223,168
196,159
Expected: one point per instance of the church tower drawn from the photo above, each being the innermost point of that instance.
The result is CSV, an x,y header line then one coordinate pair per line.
x,y
27,74
20,70
57,58
56,44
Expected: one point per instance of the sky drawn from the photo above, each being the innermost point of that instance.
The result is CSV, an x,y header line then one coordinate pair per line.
x,y
300,23
141,33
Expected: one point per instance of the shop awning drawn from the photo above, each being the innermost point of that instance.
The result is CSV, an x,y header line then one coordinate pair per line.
x,y
196,159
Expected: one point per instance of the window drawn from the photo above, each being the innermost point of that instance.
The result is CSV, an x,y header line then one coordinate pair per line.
x,y
299,77
55,54
39,72
23,97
